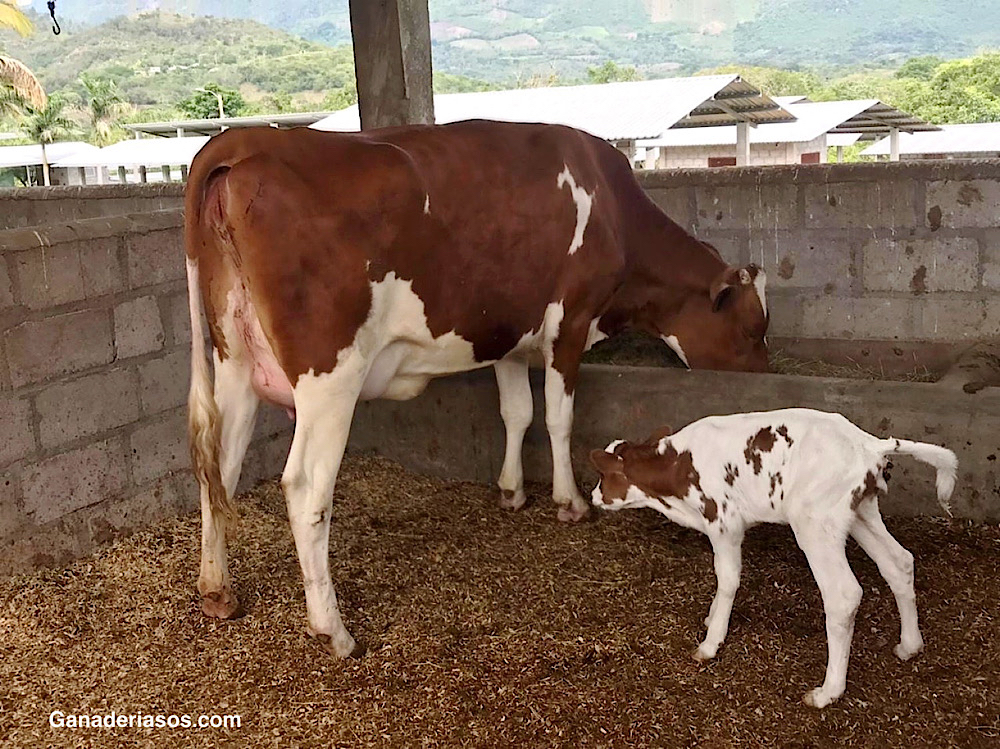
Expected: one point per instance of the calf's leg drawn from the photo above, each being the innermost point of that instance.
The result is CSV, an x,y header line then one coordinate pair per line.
x,y
896,565
824,549
728,564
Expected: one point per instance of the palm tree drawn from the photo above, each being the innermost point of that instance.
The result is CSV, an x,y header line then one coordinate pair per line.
x,y
105,104
15,77
45,126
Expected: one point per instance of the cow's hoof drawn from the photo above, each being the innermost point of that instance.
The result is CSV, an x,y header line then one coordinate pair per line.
x,y
512,499
573,514
220,604
818,698
352,649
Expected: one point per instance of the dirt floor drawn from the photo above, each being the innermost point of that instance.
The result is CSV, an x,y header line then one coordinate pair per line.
x,y
490,628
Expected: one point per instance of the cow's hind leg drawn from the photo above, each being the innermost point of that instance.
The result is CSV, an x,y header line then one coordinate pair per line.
x,y
324,406
237,403
562,364
516,410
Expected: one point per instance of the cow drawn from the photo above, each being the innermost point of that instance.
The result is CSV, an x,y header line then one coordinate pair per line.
x,y
335,267
814,471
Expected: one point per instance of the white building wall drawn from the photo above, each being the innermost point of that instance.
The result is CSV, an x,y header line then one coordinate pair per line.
x,y
761,154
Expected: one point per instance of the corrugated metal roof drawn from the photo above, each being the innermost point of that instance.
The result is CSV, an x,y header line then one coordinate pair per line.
x,y
842,139
13,156
212,126
983,138
856,117
879,118
613,111
140,152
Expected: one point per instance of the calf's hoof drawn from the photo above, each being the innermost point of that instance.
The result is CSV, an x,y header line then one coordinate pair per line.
x,y
220,604
703,654
905,652
349,649
573,513
818,698
512,499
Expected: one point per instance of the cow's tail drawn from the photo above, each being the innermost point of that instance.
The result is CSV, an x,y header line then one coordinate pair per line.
x,y
941,458
203,412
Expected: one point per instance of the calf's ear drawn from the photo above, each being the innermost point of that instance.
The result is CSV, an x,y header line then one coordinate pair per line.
x,y
606,462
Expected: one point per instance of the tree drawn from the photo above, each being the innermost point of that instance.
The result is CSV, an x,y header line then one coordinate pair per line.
x,y
45,125
611,71
104,104
17,82
773,81
203,104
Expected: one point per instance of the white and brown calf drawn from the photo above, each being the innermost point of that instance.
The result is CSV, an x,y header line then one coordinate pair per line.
x,y
815,471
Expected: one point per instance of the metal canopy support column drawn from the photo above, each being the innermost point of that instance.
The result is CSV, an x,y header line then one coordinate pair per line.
x,y
743,143
894,144
392,62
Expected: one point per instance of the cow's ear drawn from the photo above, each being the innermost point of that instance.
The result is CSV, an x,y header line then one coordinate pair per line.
x,y
659,434
606,462
725,284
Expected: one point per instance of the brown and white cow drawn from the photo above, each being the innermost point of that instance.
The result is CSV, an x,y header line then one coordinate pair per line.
x,y
814,471
334,267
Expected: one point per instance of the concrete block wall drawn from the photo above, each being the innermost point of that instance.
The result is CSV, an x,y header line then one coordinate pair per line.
x,y
47,206
94,361
896,252
761,154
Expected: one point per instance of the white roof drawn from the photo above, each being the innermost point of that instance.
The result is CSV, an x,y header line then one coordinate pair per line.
x,y
613,111
981,137
140,152
31,155
842,139
813,119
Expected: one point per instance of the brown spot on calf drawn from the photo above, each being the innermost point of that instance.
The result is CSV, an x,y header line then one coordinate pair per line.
x,y
762,442
868,490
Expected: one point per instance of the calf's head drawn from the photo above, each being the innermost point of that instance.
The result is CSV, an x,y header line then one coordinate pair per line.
x,y
642,474
726,329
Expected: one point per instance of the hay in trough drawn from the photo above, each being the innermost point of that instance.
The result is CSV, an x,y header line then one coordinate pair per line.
x,y
490,628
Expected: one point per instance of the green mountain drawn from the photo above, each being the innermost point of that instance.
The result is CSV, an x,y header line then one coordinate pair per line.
x,y
503,40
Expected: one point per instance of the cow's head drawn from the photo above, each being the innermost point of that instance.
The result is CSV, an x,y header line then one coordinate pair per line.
x,y
725,330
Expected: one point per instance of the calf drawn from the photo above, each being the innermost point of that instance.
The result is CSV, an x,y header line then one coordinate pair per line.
x,y
815,471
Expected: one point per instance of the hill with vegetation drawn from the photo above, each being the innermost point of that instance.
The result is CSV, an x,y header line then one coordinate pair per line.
x,y
503,40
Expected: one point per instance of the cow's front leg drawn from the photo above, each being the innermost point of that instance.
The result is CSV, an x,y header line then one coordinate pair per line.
x,y
324,406
562,363
516,409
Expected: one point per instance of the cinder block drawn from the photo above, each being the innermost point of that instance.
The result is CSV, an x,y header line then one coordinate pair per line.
x,y
50,275
675,202
963,203
88,405
859,205
123,516
805,259
990,247
949,319
868,317
786,312
18,440
12,515
138,329
180,318
38,350
6,288
163,383
921,265
160,447
73,480
102,273
768,206
155,257
271,420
